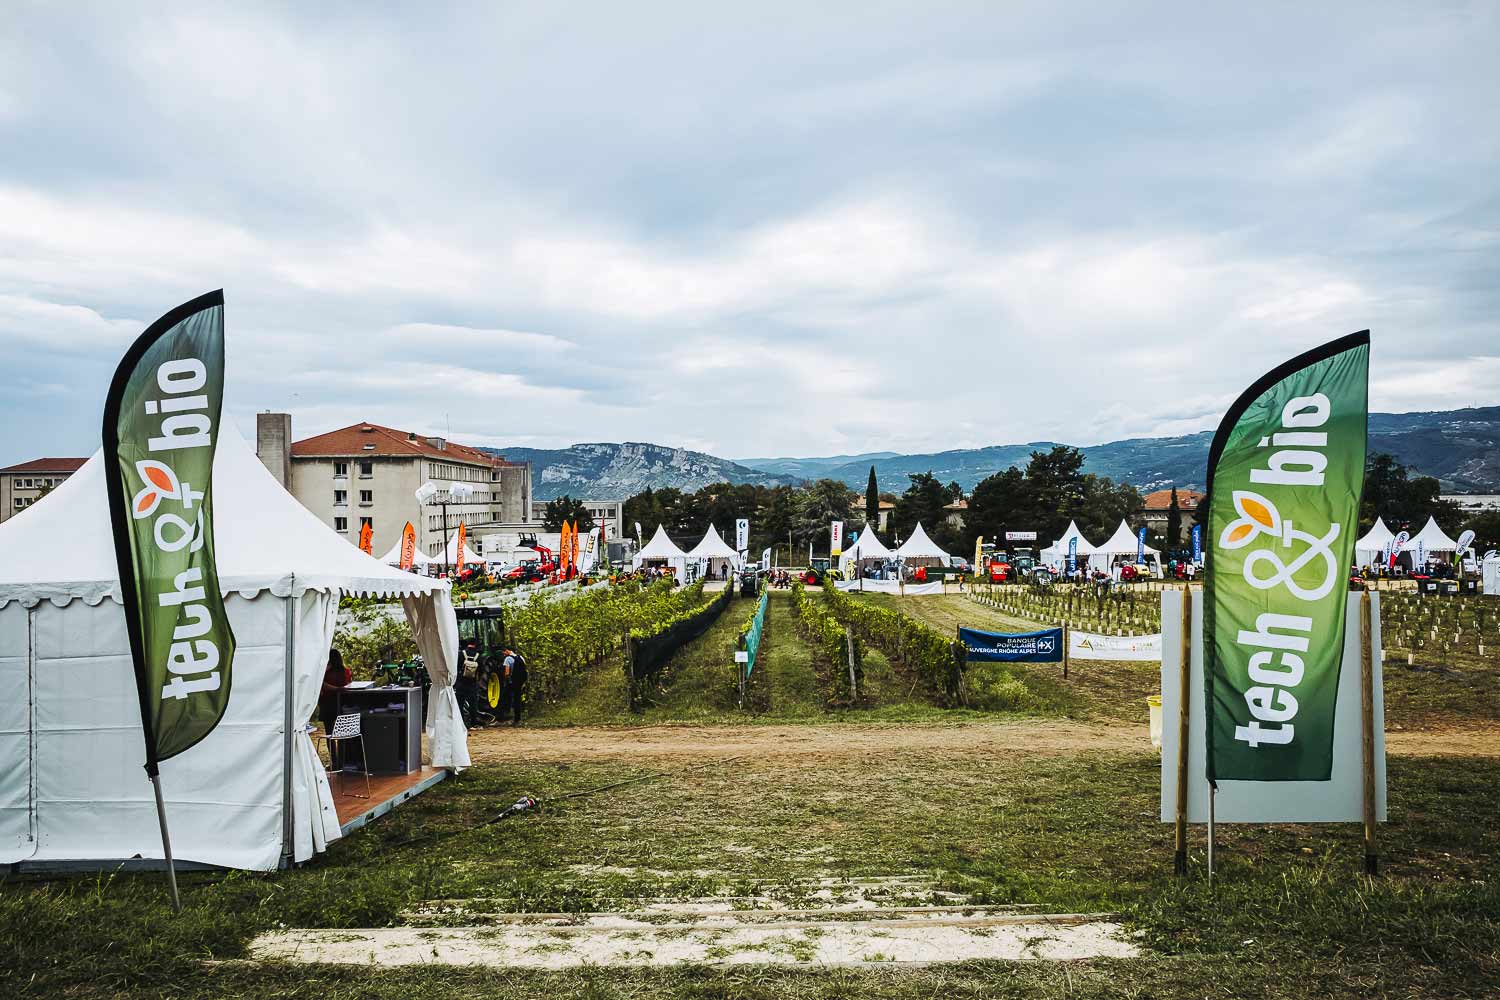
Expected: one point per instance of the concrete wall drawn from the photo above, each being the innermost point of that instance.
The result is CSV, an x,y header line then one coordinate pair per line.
x,y
273,444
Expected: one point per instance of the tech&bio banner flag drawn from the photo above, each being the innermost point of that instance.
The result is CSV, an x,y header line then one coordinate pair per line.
x,y
366,538
1045,646
1285,474
459,555
161,428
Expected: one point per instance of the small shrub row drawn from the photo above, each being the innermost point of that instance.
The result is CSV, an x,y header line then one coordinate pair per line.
x,y
831,642
934,658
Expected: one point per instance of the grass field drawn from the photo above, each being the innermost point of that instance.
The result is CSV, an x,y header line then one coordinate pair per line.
x,y
1032,808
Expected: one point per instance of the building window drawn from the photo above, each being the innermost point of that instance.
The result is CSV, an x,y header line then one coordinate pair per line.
x,y
366,496
340,497
340,470
341,524
20,503
367,522
366,470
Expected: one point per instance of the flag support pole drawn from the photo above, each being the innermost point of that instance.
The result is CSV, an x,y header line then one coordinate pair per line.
x,y
1367,730
1183,701
166,840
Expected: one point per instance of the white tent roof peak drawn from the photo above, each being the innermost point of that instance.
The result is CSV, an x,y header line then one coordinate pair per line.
x,y
264,539
418,557
660,547
867,546
452,550
1085,547
1432,538
919,546
1376,538
712,546
1122,542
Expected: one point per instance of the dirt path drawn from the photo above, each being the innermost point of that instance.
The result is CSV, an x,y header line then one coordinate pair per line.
x,y
839,740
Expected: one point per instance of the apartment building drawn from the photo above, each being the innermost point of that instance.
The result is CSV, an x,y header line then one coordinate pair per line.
x,y
23,485
369,474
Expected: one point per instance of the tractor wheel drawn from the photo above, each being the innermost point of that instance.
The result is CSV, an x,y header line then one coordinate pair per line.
x,y
492,689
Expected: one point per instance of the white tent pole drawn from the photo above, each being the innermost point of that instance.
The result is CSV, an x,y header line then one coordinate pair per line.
x,y
286,729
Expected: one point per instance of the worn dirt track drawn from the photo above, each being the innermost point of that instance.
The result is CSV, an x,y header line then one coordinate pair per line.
x,y
841,740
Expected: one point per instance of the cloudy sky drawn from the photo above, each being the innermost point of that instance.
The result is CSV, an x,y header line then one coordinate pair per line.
x,y
751,229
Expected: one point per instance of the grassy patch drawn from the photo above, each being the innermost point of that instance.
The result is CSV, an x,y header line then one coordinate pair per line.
x,y
1289,915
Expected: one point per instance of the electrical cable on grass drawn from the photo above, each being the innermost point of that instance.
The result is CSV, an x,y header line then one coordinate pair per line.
x,y
526,803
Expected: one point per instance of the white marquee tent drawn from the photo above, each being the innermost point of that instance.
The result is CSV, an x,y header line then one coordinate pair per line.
x,y
867,546
920,547
1369,548
418,557
713,547
451,552
1055,553
662,549
1432,539
1122,543
253,793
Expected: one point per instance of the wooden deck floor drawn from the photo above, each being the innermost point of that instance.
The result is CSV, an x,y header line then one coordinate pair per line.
x,y
386,792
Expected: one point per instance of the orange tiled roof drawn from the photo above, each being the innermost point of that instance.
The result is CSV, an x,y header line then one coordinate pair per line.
x,y
352,441
1162,500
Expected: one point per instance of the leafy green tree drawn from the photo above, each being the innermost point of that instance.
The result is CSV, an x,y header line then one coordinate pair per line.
x,y
817,506
565,508
1403,501
1486,528
872,504
994,506
1102,507
923,502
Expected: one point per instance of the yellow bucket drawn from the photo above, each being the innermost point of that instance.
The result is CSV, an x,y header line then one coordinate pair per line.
x,y
1154,701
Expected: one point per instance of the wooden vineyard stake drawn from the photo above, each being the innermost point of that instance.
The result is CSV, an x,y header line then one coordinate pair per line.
x,y
1367,727
1183,701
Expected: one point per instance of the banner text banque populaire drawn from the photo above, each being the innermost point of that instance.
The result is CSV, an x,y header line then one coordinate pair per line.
x,y
1045,646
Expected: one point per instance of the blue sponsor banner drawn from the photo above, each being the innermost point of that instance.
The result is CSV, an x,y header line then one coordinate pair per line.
x,y
1140,546
1197,543
1073,554
1045,646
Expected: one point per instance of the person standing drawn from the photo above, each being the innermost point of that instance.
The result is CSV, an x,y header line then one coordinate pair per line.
x,y
336,677
513,684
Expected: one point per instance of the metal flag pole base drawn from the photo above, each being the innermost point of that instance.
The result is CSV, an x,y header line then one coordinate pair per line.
x,y
166,841
1213,791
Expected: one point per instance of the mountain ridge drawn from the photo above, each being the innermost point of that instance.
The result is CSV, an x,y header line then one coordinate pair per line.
x,y
1460,448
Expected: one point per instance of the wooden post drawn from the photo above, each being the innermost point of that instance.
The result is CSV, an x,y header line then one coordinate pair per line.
x,y
1184,699
849,648
1367,729
1065,649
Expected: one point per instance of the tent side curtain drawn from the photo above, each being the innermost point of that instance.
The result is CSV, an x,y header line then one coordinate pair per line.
x,y
315,820
435,629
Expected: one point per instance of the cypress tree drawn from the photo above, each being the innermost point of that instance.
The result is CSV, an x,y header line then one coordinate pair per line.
x,y
872,503
1174,522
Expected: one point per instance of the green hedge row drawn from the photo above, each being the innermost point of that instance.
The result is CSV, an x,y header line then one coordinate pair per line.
x,y
831,641
935,658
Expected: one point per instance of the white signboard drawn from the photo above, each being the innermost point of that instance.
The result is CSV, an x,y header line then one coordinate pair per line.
x,y
1088,646
741,656
1338,800
1020,536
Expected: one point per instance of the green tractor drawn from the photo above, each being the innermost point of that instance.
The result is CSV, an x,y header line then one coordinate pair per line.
x,y
481,640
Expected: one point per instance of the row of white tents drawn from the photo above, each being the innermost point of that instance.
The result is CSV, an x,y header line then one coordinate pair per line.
x,y
867,546
712,554
1374,546
1123,545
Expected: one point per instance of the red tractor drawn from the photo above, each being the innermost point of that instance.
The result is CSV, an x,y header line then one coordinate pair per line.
x,y
998,570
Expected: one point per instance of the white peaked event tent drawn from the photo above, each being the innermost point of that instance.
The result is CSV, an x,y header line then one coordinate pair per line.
x,y
252,794
919,546
867,546
1123,543
393,557
662,549
714,547
470,558
1432,539
1369,548
1055,553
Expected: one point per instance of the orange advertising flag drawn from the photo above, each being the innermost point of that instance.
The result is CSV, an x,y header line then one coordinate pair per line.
x,y
460,558
408,546
366,538
562,550
573,556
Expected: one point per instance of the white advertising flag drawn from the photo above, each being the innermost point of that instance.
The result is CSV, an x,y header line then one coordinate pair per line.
x,y
837,536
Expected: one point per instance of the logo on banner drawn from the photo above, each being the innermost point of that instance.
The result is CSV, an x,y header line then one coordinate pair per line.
x,y
742,535
1397,544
